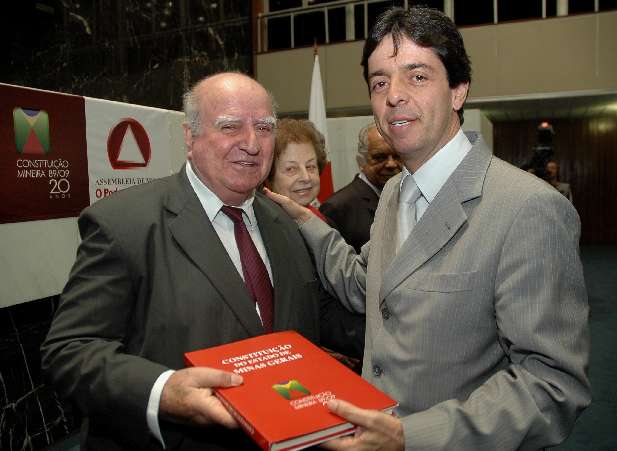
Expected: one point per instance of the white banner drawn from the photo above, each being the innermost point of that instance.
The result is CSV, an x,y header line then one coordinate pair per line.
x,y
177,152
127,145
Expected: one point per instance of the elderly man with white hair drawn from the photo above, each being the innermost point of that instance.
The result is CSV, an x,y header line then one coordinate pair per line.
x,y
351,209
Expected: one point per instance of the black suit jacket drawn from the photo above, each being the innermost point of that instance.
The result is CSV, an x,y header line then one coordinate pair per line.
x,y
351,211
151,281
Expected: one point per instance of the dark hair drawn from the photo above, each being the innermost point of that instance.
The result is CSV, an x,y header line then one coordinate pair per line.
x,y
426,27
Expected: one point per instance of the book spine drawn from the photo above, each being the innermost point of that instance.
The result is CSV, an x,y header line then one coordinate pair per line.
x,y
248,427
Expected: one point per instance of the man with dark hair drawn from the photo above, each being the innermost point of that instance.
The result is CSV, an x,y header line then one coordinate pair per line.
x,y
351,209
472,283
426,28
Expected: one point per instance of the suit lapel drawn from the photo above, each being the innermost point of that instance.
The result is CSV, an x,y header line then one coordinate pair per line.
x,y
367,194
271,234
443,218
438,224
363,189
196,236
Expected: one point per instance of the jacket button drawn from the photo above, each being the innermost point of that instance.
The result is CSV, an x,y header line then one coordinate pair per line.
x,y
377,371
385,313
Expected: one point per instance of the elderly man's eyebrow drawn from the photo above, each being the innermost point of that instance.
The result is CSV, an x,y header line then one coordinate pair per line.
x,y
221,121
226,120
268,120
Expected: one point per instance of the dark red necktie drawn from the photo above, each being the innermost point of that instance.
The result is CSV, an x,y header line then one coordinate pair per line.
x,y
255,273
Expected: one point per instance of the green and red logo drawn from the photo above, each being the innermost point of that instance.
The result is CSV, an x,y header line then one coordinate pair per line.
x,y
291,389
31,131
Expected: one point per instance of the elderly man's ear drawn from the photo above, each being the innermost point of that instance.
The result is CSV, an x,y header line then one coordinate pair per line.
x,y
188,135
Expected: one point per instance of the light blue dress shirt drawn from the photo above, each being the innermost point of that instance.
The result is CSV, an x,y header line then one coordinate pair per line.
x,y
432,175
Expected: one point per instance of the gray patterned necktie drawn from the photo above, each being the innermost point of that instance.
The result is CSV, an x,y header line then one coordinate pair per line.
x,y
407,209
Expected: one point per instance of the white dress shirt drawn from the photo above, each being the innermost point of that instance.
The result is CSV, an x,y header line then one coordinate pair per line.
x,y
224,228
432,175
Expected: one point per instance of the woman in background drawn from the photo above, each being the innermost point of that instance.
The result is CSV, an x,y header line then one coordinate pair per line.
x,y
299,158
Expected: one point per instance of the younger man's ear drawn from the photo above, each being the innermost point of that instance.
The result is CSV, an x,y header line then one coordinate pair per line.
x,y
459,96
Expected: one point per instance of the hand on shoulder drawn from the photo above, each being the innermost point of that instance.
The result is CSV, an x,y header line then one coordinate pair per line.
x,y
298,213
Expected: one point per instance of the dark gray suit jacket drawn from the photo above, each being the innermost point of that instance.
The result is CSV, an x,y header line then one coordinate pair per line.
x,y
151,281
351,211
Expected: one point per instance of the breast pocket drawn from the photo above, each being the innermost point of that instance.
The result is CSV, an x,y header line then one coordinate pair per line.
x,y
446,282
447,305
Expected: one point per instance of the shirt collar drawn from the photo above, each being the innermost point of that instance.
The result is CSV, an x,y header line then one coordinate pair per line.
x,y
211,202
432,175
362,176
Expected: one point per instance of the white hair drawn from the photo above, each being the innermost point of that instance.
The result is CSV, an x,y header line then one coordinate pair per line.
x,y
191,112
190,104
362,155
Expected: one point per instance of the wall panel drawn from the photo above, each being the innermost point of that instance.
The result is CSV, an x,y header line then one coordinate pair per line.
x,y
586,149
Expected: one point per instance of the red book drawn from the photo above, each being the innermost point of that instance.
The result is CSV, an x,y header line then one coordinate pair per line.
x,y
287,381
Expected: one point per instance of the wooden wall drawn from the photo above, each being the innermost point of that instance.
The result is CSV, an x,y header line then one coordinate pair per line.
x,y
586,149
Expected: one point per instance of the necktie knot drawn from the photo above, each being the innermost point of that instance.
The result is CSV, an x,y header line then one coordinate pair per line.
x,y
408,196
235,214
410,192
